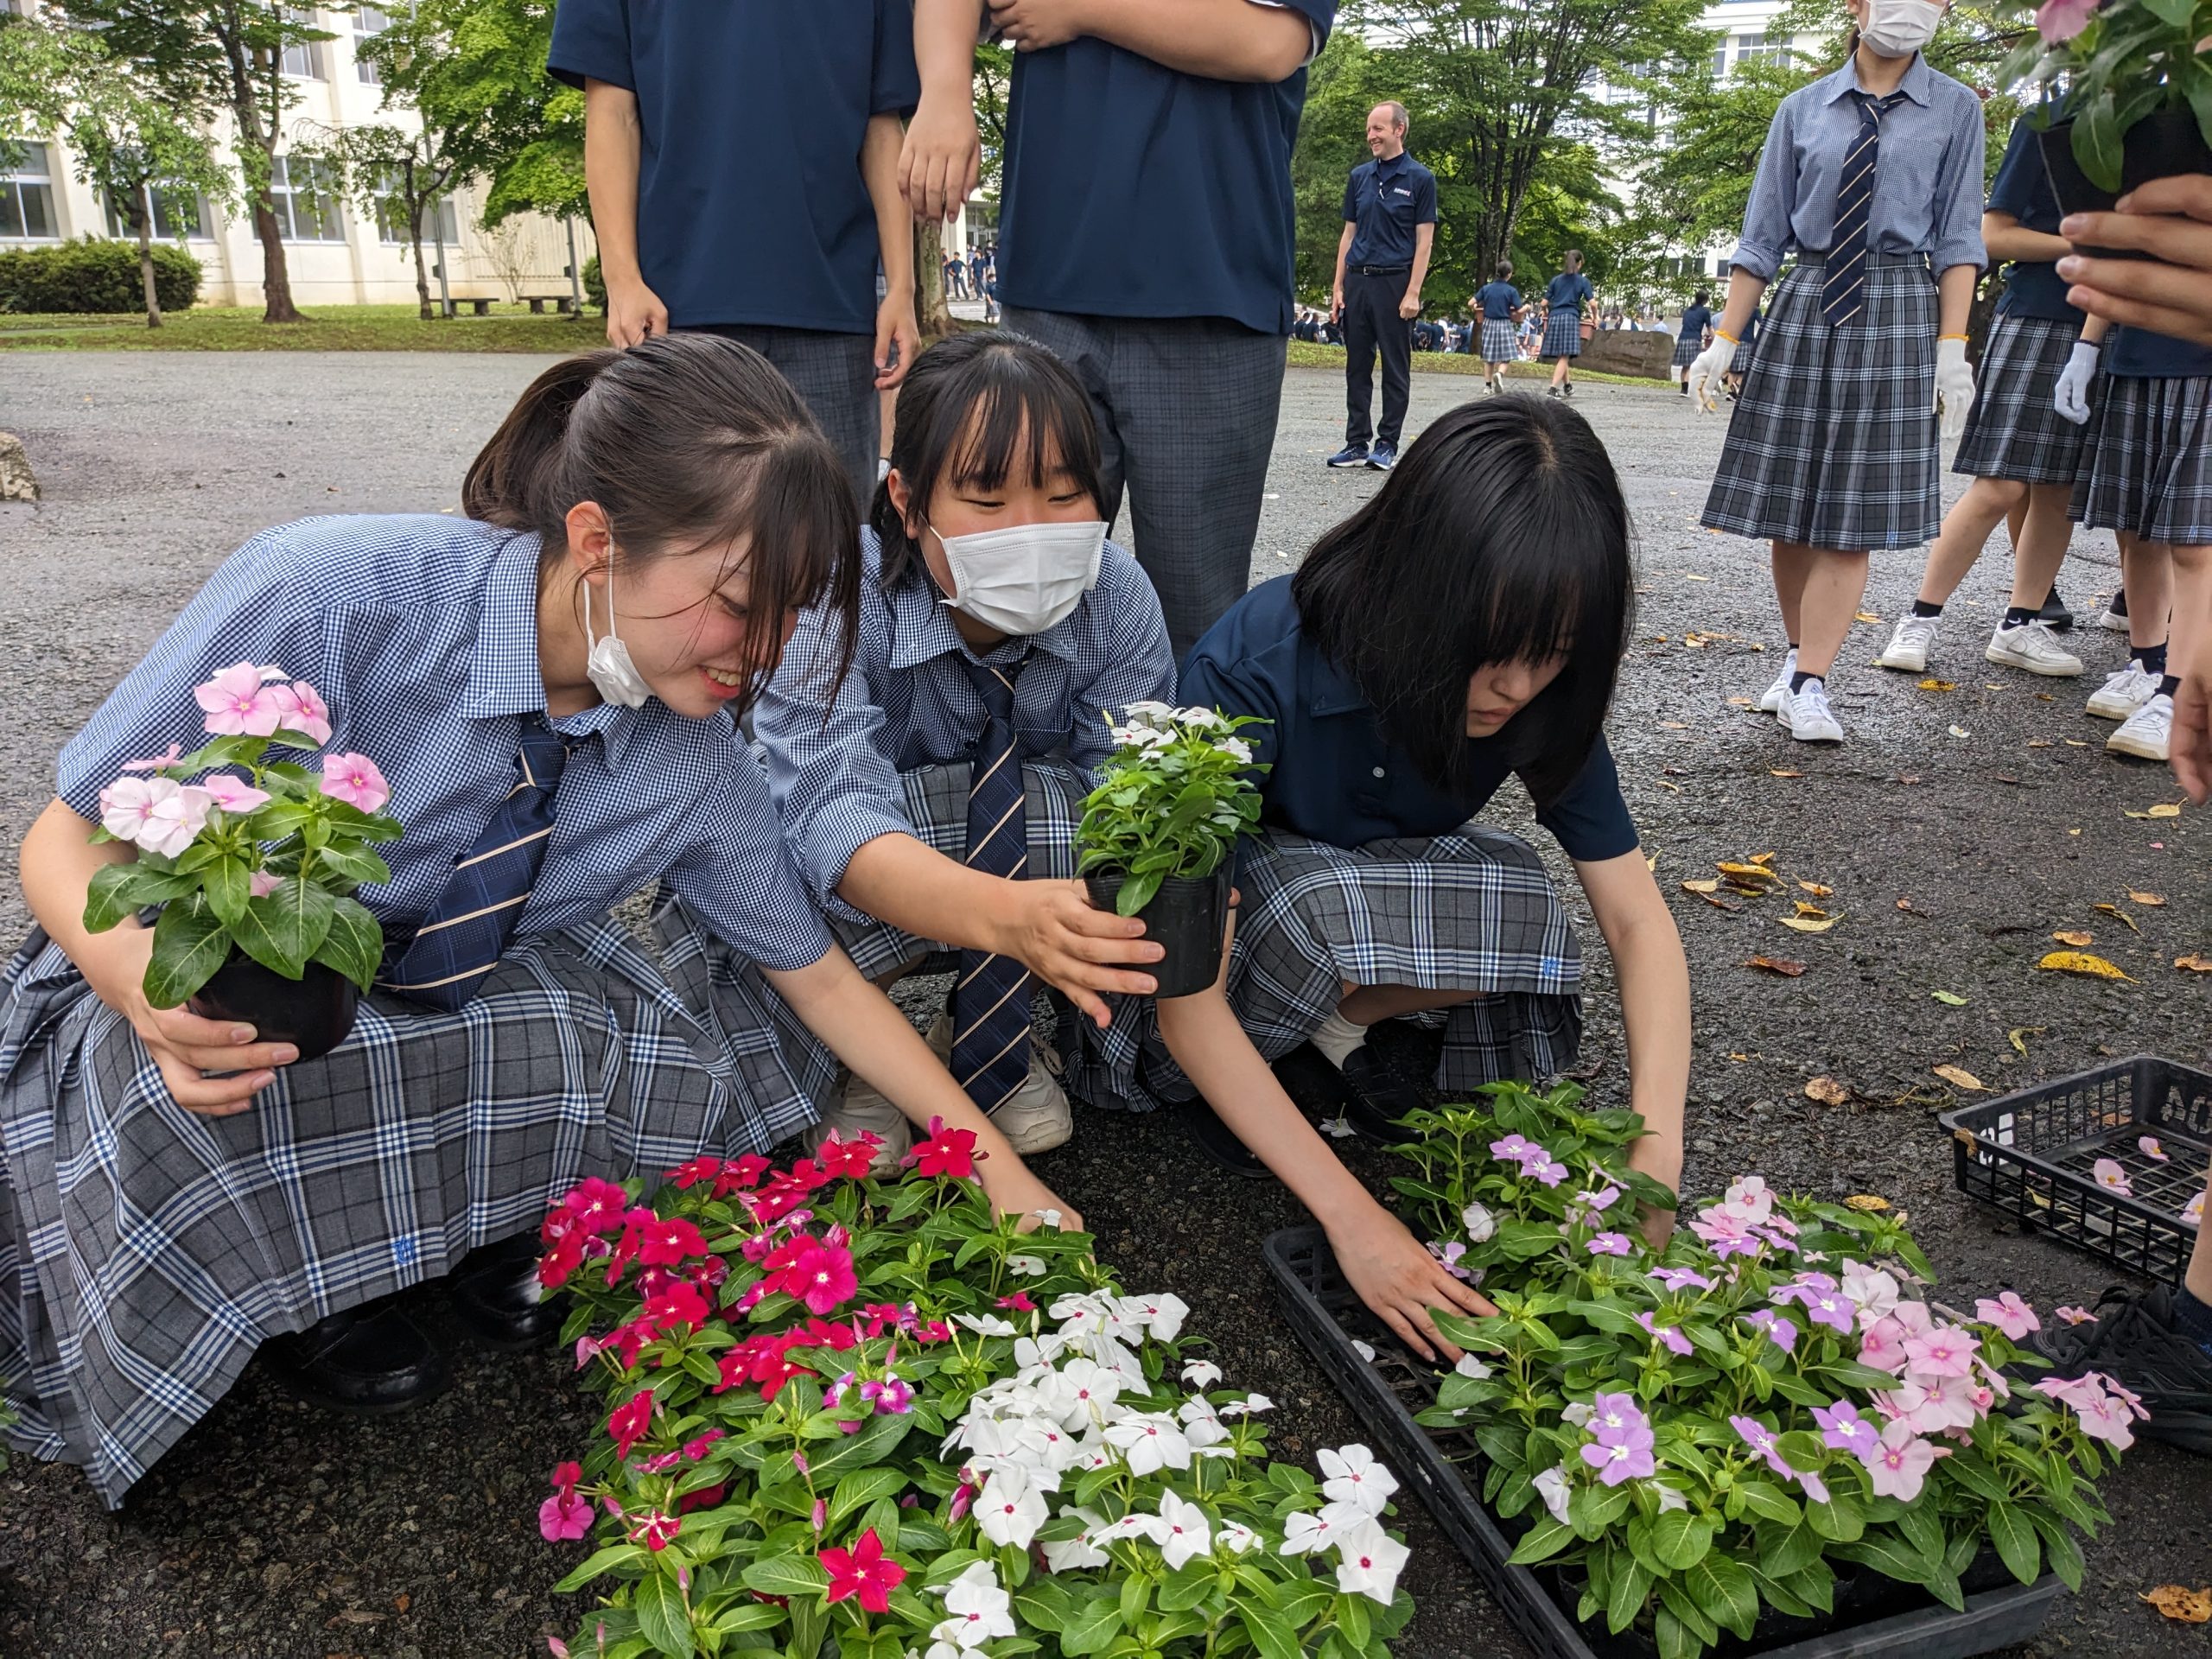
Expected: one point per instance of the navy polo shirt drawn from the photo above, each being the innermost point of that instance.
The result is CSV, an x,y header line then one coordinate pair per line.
x,y
1498,300
1696,319
750,204
2032,287
1384,202
1566,291
1133,190
2139,354
1336,778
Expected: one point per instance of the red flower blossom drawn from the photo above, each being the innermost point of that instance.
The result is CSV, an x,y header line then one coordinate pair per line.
x,y
708,1274
695,1448
680,1304
865,1572
654,1529
822,1277
595,1205
564,1255
947,1151
848,1159
1019,1301
705,1498
739,1173
689,1175
669,1241
628,1423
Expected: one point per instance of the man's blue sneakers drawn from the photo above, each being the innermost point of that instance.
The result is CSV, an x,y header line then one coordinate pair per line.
x,y
1352,454
1383,456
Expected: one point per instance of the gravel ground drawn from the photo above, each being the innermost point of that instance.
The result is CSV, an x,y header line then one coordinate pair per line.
x,y
273,1531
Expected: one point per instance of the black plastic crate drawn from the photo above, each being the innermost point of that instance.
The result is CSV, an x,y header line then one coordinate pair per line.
x,y
1443,1467
2032,1153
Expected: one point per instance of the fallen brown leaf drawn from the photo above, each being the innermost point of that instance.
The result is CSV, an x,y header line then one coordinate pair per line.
x,y
2114,909
1782,965
2163,810
1815,889
403,1601
1705,884
1808,924
1905,905
1958,1076
1813,910
1747,872
1827,1091
1868,616
1718,903
1762,858
2181,1605
1867,1204
2074,962
2149,900
1783,772
2076,743
1939,685
2194,963
1674,726
2014,1036
2039,743
2074,936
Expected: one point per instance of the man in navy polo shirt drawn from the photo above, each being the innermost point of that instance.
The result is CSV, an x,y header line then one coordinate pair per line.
x,y
743,165
1382,260
1145,234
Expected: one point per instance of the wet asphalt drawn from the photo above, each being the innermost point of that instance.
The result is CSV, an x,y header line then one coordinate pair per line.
x,y
1956,829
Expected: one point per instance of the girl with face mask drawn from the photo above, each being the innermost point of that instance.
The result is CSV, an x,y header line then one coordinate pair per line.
x,y
1873,178
930,795
204,1189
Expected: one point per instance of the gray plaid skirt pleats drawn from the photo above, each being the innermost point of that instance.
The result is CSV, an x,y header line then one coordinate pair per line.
x,y
1686,348
1497,340
2014,429
1832,440
1562,335
145,1250
2147,460
1473,911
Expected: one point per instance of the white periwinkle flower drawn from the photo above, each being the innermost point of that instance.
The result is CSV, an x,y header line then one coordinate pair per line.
x,y
1481,1225
1186,1530
1355,1477
1369,1562
1551,1486
1201,1373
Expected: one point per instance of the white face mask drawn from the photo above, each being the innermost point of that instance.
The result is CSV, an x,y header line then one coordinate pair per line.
x,y
609,665
1897,28
1023,579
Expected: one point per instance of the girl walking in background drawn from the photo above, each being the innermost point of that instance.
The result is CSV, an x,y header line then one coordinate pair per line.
x,y
1497,303
1564,298
1696,335
1873,176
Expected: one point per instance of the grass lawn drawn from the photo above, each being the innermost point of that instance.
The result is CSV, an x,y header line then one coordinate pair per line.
x,y
1305,355
328,328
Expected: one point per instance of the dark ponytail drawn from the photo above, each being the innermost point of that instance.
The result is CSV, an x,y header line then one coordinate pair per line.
x,y
690,444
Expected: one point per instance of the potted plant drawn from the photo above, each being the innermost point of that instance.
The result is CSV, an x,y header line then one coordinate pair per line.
x,y
251,874
1158,833
2134,92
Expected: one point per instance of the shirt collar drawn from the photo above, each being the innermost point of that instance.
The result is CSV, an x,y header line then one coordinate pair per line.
x,y
504,676
1393,165
1914,86
923,631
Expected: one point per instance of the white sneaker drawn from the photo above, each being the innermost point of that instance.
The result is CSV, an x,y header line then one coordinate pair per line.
x,y
2124,693
2113,620
1036,1117
2033,646
2145,733
1772,699
1908,647
1806,713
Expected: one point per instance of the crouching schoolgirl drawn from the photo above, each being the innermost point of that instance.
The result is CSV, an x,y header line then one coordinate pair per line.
x,y
176,1190
932,793
1465,625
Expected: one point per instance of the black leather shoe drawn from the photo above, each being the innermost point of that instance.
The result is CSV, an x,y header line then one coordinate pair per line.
x,y
1377,1099
2054,614
370,1360
1219,1143
498,1300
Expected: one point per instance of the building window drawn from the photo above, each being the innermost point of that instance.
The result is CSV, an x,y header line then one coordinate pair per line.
x,y
179,215
307,206
368,23
392,219
26,195
303,58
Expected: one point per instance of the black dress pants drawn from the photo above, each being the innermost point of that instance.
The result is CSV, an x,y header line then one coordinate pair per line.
x,y
1371,323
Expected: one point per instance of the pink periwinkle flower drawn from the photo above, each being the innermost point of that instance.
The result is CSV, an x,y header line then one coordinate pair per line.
x,y
1945,1351
1682,1278
2008,1314
1671,1336
1608,1244
156,762
233,794
1898,1463
238,704
2058,21
2109,1175
309,715
1539,1169
564,1517
354,780
2075,1315
1843,1429
1781,1331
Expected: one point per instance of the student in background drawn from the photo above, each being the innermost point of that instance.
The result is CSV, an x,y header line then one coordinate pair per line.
x,y
1497,303
1564,298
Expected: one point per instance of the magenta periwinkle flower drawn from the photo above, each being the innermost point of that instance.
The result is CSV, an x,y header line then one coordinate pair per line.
x,y
1622,1441
1608,1244
1679,1279
2059,21
1779,1330
1844,1429
1671,1336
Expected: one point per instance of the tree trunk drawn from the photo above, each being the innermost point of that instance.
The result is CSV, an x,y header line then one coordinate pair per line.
x,y
932,312
275,277
422,307
142,222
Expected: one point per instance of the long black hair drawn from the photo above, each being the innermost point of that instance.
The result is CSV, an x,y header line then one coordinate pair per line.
x,y
687,442
1501,536
977,409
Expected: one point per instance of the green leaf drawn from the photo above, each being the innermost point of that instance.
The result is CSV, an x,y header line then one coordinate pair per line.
x,y
281,930
1676,1640
354,945
227,890
1840,1520
795,1576
1136,891
1923,1527
871,1446
1793,1551
189,945
2064,1553
864,1487
1724,1587
1186,1586
1680,1539
603,1561
118,889
2175,14
356,864
663,1619
2196,87
1271,1635
1890,1556
1091,1625
1625,1595
2097,140
1543,1540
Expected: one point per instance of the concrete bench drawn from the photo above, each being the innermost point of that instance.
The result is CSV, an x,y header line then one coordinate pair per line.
x,y
563,304
482,308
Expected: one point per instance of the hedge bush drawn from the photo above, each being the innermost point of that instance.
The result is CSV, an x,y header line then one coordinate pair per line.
x,y
96,275
594,284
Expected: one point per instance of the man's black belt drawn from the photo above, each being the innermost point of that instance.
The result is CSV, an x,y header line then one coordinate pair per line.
x,y
1379,271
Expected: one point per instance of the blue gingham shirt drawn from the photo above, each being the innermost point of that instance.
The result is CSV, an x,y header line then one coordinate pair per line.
x,y
421,632
1927,190
908,703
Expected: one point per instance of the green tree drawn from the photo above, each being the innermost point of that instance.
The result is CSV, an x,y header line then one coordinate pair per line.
x,y
201,55
392,173
125,140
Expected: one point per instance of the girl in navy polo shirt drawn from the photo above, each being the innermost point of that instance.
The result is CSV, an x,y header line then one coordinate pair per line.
x,y
1696,335
175,1191
1497,302
1564,298
996,622
1464,627
2018,448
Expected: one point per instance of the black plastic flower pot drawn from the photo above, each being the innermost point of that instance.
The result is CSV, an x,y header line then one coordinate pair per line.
x,y
314,1013
2161,144
1188,916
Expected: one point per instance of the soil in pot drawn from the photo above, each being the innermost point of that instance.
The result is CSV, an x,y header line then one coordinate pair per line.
x,y
1187,916
313,1012
2161,144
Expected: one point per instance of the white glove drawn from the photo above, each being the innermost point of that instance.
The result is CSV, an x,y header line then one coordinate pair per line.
x,y
1705,371
2072,397
1953,386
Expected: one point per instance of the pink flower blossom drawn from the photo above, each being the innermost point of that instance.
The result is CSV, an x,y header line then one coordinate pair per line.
x,y
2149,1146
1608,1244
156,762
2109,1175
654,1529
1882,1345
308,714
1843,1429
127,806
563,1517
1675,1342
2075,1315
2058,21
354,780
1899,1464
233,794
1945,1351
2108,1419
2009,1314
2193,1212
1932,1404
239,705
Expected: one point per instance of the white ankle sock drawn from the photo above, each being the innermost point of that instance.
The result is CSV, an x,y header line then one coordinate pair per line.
x,y
1337,1038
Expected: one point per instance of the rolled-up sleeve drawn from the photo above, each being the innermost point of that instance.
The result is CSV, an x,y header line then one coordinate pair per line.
x,y
1774,200
1139,666
591,40
738,876
833,788
1956,234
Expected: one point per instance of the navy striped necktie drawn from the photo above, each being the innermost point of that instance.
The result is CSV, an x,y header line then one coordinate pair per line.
x,y
468,929
1843,292
990,1000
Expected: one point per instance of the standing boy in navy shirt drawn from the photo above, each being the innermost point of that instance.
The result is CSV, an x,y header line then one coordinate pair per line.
x,y
743,166
1382,259
1145,234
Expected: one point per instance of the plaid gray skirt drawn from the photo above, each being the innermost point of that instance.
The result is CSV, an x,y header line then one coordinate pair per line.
x,y
1473,911
1686,348
146,1251
2147,461
1562,335
1832,440
1497,340
2014,429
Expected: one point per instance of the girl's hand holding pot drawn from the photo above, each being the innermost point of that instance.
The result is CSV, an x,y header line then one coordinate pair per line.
x,y
1052,928
186,1047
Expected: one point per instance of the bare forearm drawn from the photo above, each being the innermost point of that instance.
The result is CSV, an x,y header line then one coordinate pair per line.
x,y
1745,293
1344,251
945,32
919,891
611,146
893,224
1424,245
1955,298
2011,242
1221,40
56,868
1655,1009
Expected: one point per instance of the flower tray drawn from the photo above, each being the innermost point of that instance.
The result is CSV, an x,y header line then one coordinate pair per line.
x,y
1438,1464
2032,1154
